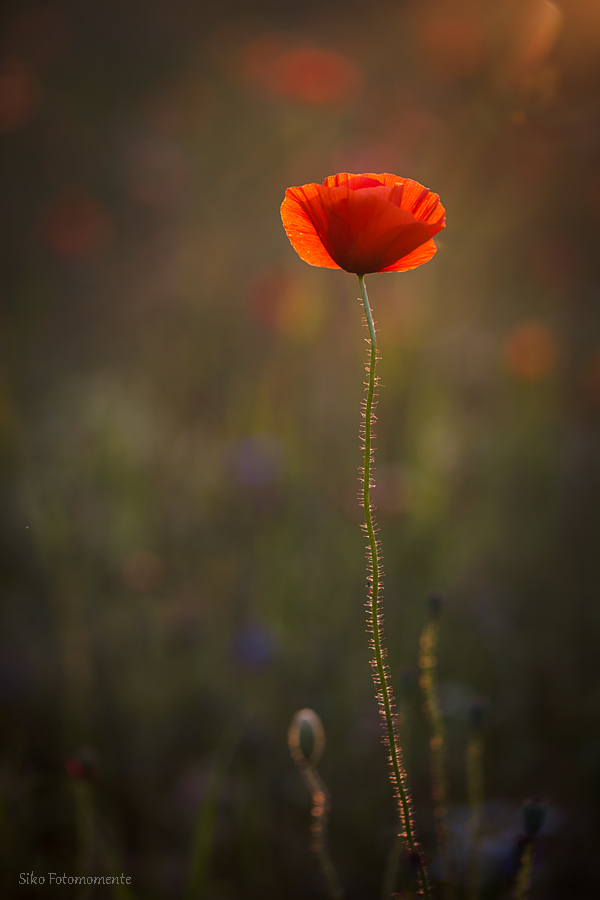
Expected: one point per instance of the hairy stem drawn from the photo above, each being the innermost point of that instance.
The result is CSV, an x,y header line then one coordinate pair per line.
x,y
380,672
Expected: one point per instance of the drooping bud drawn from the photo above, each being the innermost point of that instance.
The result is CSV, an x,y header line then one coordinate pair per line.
x,y
408,681
477,712
436,600
414,860
306,738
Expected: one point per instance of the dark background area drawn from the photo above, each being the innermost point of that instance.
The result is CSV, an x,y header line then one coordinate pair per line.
x,y
179,409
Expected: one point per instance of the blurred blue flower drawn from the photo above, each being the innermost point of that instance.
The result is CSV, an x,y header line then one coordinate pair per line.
x,y
254,645
256,460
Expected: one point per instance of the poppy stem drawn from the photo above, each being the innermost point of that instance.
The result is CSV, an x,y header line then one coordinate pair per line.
x,y
374,617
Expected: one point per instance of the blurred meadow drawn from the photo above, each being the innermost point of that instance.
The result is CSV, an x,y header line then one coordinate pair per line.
x,y
182,564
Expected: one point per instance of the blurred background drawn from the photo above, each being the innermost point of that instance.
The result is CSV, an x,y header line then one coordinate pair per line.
x,y
182,565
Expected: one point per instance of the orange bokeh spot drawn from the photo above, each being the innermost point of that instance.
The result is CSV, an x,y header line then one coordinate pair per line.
x,y
267,296
20,95
75,224
454,45
304,74
392,491
400,318
282,303
557,262
531,351
536,29
143,571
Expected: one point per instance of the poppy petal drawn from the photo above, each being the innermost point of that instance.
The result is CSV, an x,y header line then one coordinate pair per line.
x,y
355,182
299,227
366,179
423,204
419,256
361,230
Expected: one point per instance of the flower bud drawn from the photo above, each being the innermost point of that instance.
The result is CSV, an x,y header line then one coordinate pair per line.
x,y
414,859
408,681
83,764
477,712
436,599
534,813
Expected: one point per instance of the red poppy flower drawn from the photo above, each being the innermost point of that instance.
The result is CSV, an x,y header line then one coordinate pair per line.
x,y
363,223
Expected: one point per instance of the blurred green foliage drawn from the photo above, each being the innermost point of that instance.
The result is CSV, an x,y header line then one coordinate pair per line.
x,y
179,411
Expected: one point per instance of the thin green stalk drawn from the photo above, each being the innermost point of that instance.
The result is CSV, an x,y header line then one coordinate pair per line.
x,y
534,813
202,841
320,814
523,879
112,860
437,742
84,824
475,793
96,843
380,674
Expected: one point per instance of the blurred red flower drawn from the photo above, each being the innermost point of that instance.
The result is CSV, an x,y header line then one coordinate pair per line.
x,y
20,95
75,224
531,351
83,765
363,223
302,74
